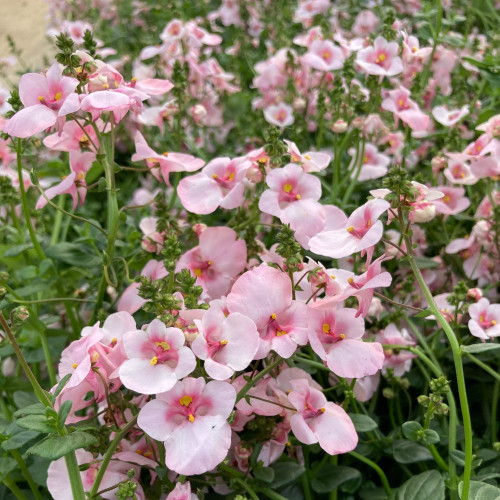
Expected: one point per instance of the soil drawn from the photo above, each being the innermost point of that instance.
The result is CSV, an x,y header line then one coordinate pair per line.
x,y
25,21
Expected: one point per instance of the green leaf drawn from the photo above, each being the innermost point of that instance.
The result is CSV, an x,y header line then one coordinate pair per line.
x,y
265,474
16,250
480,491
423,314
63,412
24,398
411,430
408,452
362,423
7,465
55,447
330,477
19,439
35,423
458,457
286,472
426,486
73,254
478,348
36,409
430,437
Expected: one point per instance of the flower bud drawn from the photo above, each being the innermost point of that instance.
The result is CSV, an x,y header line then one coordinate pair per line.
x,y
358,122
20,314
438,163
198,112
339,127
474,294
191,332
253,174
199,228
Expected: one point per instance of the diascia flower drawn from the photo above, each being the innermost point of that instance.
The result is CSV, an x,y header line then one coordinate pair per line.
x,y
218,259
380,59
46,99
191,419
485,319
264,294
336,337
362,231
320,421
157,359
227,344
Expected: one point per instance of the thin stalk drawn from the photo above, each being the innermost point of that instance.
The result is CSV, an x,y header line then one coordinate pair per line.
x,y
257,377
376,468
14,488
57,223
272,494
438,459
482,365
109,453
494,408
70,458
26,473
457,358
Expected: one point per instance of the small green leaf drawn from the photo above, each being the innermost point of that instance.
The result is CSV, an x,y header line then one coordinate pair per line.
x,y
286,472
429,437
478,348
411,430
408,452
35,409
35,423
55,447
362,423
426,486
265,474
63,413
331,476
19,439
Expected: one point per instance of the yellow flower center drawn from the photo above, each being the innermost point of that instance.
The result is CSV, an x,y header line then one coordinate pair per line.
x,y
185,401
163,345
57,96
197,271
154,360
326,328
287,188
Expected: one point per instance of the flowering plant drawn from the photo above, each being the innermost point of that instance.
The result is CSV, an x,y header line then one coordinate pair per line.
x,y
278,274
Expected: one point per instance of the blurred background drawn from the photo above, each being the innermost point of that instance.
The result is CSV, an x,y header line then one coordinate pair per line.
x,y
25,22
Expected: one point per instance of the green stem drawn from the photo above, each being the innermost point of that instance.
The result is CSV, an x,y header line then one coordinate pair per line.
x,y
356,170
482,365
272,494
70,458
57,223
106,159
376,468
246,487
26,473
15,218
438,459
457,358
494,408
109,453
14,488
257,377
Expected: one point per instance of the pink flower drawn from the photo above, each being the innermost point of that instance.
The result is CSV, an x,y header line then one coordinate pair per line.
x,y
130,300
366,22
72,137
218,259
182,492
280,115
336,337
362,231
447,117
293,198
191,419
363,286
400,363
310,161
399,103
323,55
320,421
74,184
453,202
226,343
157,358
374,164
381,59
220,183
484,320
167,162
59,485
264,294
46,99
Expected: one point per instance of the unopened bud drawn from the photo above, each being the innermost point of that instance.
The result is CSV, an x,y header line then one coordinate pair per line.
x,y
3,291
20,314
339,127
388,393
253,174
474,294
191,332
439,163
358,122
